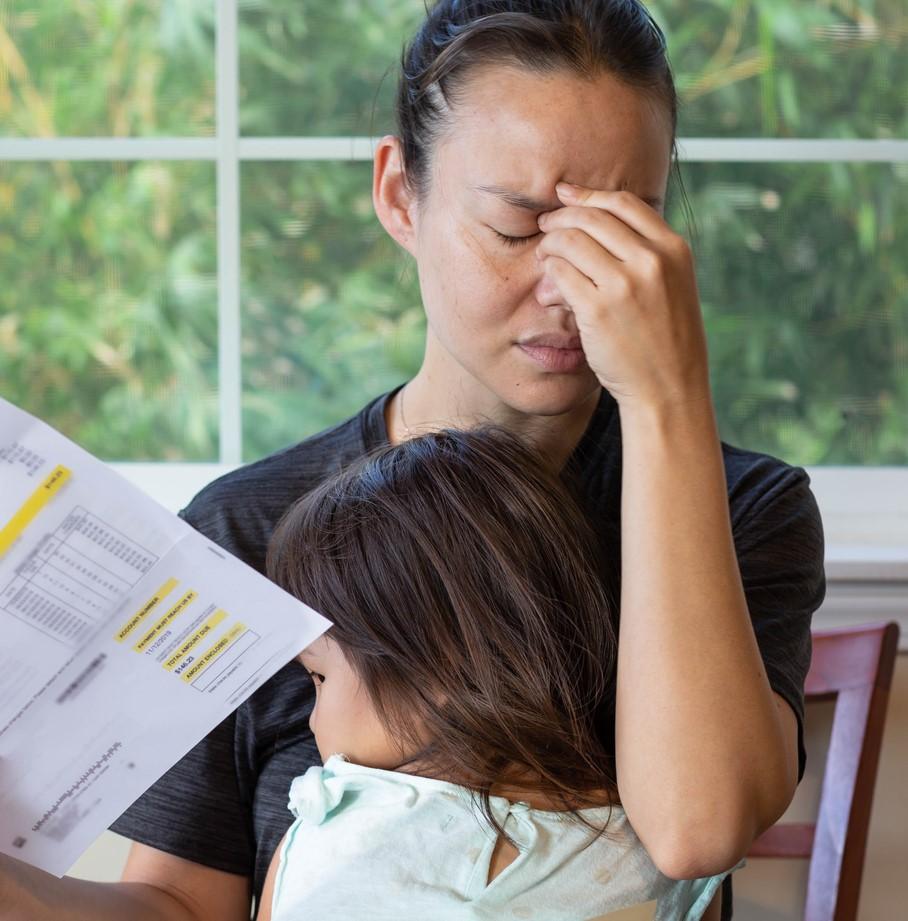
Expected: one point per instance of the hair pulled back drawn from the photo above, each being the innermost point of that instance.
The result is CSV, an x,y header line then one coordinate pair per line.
x,y
463,582
584,37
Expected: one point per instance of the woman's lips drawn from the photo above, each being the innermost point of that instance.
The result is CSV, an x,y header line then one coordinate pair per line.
x,y
554,359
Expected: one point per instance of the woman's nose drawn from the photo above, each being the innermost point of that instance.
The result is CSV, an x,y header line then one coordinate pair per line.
x,y
547,293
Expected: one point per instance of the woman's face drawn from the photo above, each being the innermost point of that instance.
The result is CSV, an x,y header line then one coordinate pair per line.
x,y
499,331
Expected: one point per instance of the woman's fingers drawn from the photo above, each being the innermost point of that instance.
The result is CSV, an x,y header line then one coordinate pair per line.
x,y
588,254
576,287
624,205
606,229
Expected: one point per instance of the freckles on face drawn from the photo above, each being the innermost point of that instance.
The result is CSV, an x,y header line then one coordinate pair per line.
x,y
482,250
469,291
481,298
467,270
465,258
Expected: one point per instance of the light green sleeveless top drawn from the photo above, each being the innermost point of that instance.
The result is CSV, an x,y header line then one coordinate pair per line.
x,y
373,845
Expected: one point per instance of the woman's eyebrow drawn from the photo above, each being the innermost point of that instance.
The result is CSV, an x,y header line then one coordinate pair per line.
x,y
519,200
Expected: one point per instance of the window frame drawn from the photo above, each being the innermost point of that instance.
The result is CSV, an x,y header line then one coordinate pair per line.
x,y
865,510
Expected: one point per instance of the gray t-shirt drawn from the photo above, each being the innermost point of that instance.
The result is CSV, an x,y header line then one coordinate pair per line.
x,y
224,804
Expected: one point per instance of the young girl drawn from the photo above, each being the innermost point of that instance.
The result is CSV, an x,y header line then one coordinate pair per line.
x,y
460,694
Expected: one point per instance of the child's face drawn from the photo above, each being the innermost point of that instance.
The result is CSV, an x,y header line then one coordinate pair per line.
x,y
343,719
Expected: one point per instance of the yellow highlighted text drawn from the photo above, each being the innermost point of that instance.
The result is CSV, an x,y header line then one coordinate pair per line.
x,y
32,505
195,639
221,646
162,624
145,610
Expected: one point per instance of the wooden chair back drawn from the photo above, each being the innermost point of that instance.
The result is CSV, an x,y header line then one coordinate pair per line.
x,y
853,666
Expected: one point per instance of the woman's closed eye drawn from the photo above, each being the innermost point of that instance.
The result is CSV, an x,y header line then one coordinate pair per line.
x,y
515,241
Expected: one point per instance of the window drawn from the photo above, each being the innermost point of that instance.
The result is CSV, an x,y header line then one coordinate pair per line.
x,y
190,270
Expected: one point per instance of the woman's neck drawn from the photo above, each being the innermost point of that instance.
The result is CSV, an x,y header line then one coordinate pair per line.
x,y
428,404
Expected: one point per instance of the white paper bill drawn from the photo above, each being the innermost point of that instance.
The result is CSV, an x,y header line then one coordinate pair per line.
x,y
125,637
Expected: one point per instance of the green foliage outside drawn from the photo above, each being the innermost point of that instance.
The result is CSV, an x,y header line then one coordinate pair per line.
x,y
108,322
108,304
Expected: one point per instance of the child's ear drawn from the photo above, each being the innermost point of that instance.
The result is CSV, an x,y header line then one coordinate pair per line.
x,y
394,205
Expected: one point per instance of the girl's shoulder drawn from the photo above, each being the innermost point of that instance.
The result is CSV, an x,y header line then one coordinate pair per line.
x,y
323,788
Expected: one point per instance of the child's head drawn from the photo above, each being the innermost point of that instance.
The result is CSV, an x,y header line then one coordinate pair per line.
x,y
472,635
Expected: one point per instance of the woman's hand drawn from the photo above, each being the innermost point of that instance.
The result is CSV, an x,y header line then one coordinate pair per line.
x,y
174,889
630,281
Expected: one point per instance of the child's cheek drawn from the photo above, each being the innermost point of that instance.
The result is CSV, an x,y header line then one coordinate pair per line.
x,y
313,716
314,724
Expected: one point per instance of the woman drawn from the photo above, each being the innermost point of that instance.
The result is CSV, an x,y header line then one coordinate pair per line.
x,y
569,315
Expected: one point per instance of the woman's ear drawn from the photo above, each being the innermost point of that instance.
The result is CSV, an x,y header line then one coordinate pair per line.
x,y
393,203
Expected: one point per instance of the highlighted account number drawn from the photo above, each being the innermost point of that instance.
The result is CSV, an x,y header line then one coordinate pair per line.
x,y
182,660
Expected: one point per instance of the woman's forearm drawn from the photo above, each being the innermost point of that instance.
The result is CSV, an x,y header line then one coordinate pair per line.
x,y
29,894
701,755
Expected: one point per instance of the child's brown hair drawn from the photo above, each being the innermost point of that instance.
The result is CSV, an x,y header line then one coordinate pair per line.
x,y
463,583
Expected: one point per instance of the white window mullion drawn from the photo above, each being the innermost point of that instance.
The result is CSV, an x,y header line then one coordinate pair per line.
x,y
107,149
228,235
791,150
311,148
690,150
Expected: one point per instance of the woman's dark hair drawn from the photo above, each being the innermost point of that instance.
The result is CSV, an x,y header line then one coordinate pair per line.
x,y
463,583
584,37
